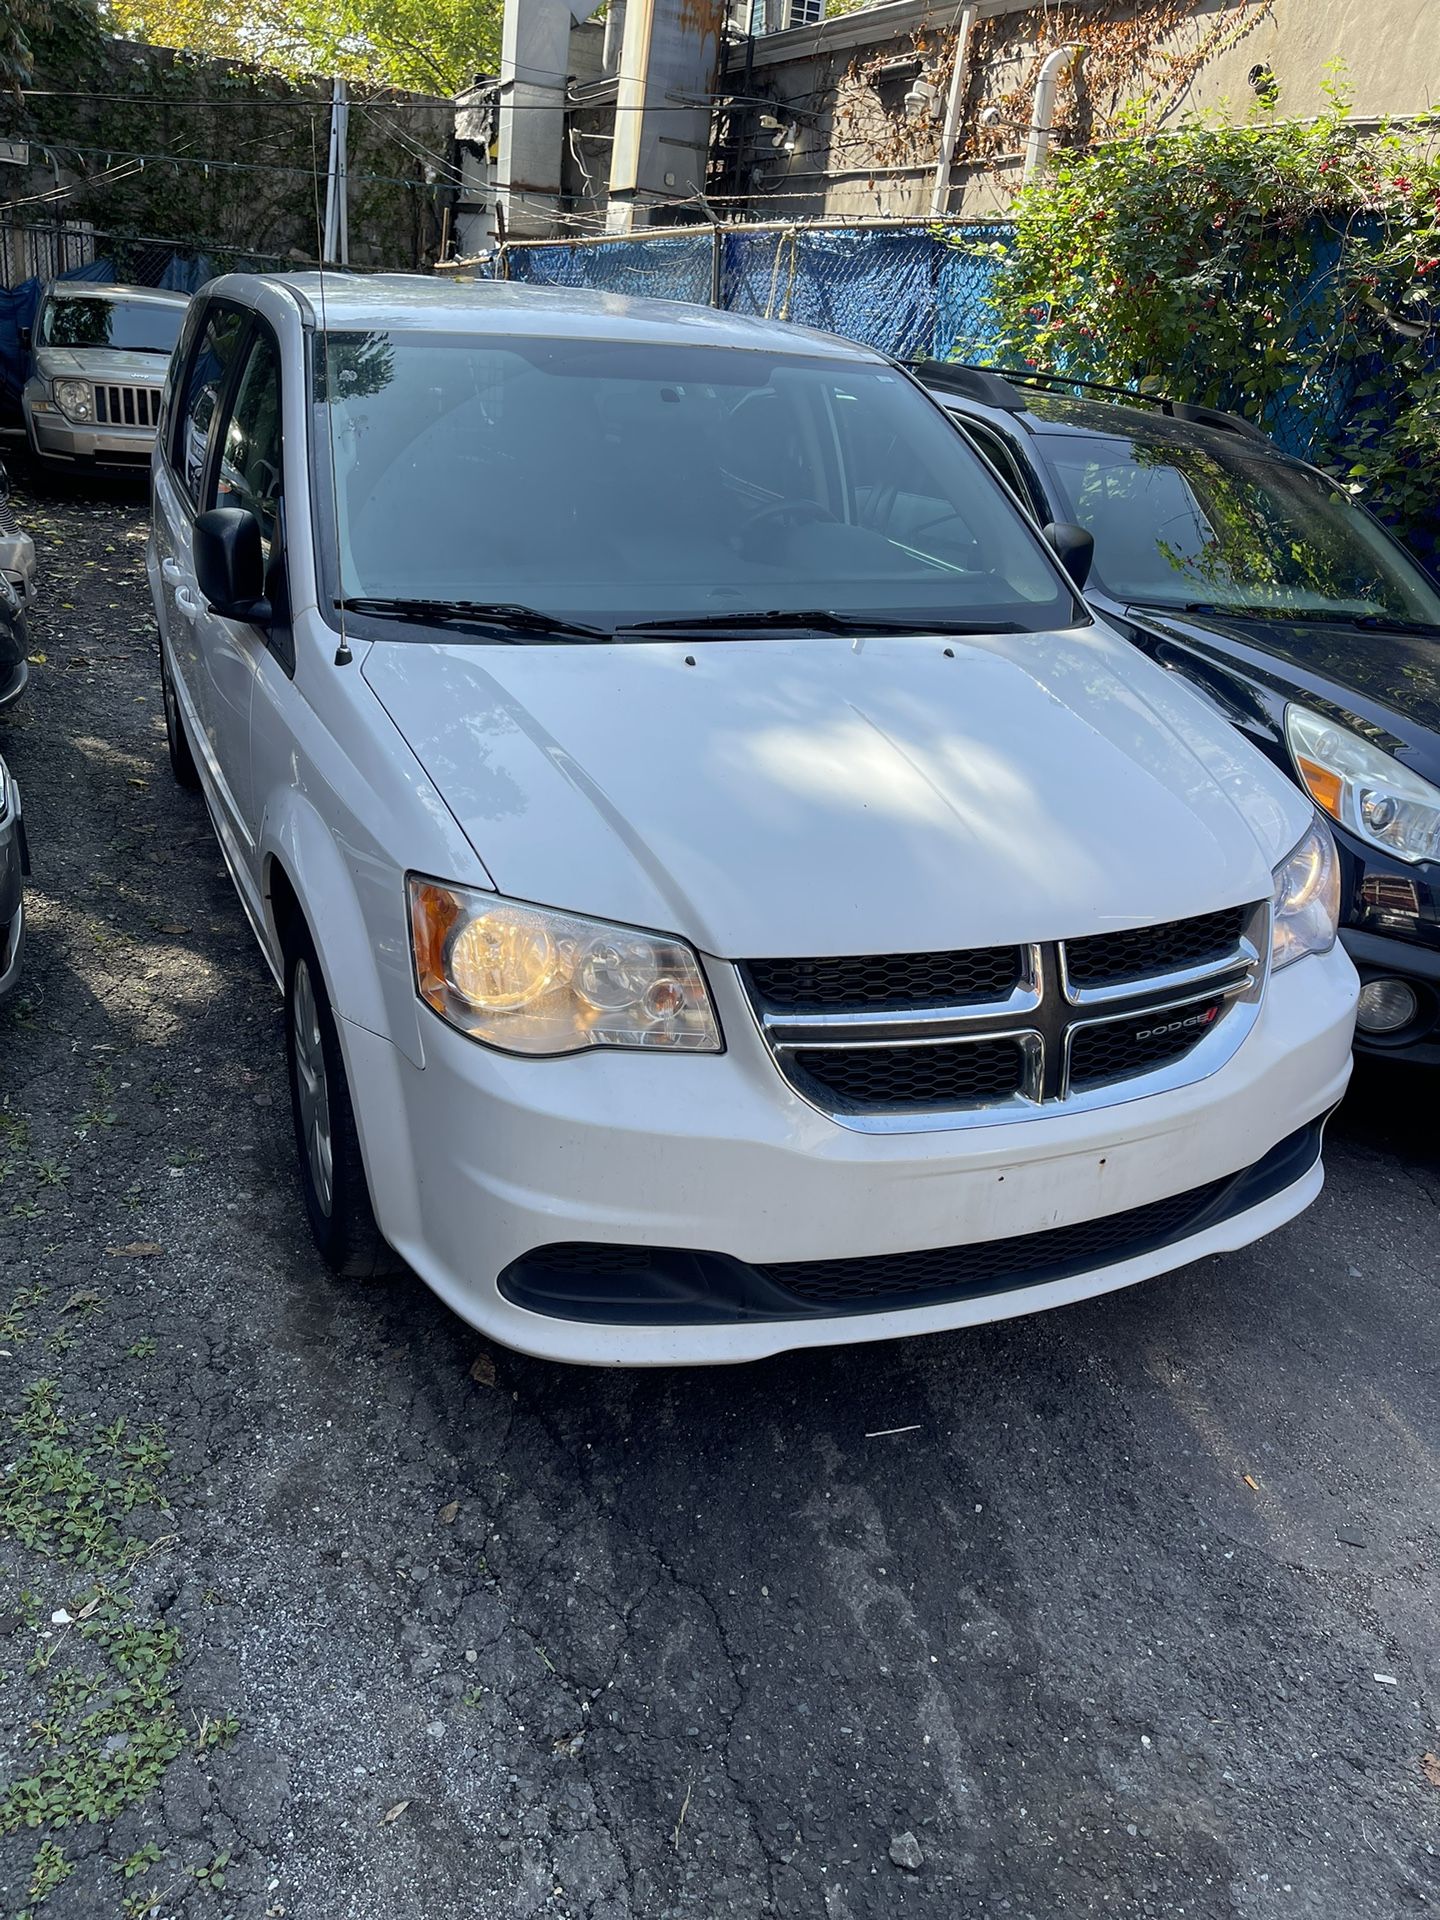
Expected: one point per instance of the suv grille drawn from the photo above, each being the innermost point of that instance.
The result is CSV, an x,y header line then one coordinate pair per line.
x,y
884,1041
957,1075
1102,959
888,979
127,406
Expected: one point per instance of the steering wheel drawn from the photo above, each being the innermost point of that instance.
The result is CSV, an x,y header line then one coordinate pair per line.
x,y
797,512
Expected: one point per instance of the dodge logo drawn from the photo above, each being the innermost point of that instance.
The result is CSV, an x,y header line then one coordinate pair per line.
x,y
1203,1018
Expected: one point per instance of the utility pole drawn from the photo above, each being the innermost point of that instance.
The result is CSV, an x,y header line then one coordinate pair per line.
x,y
336,243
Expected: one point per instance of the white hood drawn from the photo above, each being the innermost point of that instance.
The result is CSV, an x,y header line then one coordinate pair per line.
x,y
800,796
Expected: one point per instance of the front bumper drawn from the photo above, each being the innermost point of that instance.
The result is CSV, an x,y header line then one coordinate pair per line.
x,y
54,438
477,1159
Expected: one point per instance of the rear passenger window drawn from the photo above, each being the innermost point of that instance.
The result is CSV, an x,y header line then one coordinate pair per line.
x,y
204,383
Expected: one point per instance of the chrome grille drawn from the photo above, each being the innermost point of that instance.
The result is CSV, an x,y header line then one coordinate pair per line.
x,y
126,406
917,1041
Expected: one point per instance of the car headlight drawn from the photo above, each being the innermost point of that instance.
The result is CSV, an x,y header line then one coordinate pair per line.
x,y
532,980
1364,788
1307,899
74,399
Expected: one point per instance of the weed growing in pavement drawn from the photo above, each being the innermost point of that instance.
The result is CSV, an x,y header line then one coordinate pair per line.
x,y
15,1328
140,1349
47,1870
147,1856
69,1501
213,1875
51,1173
101,1113
103,1724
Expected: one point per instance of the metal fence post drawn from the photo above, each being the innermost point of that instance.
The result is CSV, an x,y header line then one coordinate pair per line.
x,y
717,261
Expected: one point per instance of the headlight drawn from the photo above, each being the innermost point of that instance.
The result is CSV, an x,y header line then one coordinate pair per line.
x,y
74,399
531,980
1364,788
1307,899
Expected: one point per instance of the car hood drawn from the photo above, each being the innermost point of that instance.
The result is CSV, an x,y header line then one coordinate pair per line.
x,y
785,797
100,363
1362,670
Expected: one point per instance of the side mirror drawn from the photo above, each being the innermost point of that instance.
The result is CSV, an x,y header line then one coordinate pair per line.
x,y
1073,547
230,565
27,339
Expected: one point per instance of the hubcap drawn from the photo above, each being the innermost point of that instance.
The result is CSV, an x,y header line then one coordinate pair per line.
x,y
311,1088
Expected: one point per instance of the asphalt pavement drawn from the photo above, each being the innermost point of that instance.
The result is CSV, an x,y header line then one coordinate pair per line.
x,y
1128,1609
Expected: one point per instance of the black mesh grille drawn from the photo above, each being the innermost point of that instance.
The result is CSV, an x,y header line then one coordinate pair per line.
x,y
1119,1049
991,1265
887,979
916,1076
1105,959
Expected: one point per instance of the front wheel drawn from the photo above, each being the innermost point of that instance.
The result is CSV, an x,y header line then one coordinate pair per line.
x,y
182,761
327,1142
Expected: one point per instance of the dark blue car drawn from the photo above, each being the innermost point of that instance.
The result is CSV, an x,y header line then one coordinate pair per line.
x,y
1287,604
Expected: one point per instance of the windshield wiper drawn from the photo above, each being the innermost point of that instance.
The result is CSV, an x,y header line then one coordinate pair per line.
x,y
1306,616
496,615
815,620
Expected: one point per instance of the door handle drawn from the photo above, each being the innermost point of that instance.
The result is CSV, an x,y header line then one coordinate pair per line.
x,y
171,570
186,602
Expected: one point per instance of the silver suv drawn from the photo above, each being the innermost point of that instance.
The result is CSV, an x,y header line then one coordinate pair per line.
x,y
99,355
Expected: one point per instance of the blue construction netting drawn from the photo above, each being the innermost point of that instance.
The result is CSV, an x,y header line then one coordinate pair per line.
x,y
666,267
909,291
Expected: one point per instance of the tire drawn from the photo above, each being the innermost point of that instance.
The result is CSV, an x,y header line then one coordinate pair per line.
x,y
182,761
327,1142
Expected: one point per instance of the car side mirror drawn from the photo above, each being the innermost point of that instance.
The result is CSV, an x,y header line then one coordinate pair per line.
x,y
230,565
27,339
1073,547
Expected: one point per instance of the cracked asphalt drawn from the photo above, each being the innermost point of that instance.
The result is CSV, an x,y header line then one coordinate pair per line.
x,y
1137,1617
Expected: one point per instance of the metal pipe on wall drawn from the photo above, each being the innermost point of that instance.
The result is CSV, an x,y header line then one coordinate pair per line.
x,y
1041,123
954,107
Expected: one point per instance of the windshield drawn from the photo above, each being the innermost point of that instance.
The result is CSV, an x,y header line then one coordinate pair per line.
x,y
1230,526
614,483
83,320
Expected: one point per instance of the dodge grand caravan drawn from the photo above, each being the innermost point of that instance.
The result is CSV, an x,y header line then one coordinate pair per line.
x,y
729,893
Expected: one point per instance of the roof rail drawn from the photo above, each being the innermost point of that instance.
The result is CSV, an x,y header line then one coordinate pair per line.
x,y
983,384
943,373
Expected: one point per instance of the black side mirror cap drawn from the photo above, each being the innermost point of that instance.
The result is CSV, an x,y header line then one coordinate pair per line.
x,y
230,565
1073,547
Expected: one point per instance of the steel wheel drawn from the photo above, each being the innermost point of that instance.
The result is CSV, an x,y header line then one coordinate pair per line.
x,y
312,1088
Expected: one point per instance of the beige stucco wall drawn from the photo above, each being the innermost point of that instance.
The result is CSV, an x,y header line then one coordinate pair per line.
x,y
1391,49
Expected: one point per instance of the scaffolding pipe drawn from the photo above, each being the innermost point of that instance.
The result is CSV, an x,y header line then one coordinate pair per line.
x,y
954,107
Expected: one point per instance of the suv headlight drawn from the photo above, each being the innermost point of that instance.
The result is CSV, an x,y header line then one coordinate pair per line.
x,y
531,980
1307,899
1364,788
74,399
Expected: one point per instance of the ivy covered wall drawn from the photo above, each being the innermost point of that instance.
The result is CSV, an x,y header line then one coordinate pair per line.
x,y
215,155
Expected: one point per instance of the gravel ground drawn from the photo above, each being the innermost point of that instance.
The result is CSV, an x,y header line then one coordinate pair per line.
x,y
362,1620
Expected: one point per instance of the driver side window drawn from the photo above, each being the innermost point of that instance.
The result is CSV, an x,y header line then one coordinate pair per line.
x,y
249,470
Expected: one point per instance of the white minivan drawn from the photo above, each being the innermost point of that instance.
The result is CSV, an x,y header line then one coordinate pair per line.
x,y
729,893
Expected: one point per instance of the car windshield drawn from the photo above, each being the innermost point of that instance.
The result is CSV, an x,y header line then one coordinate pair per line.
x,y
88,320
1229,525
615,483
